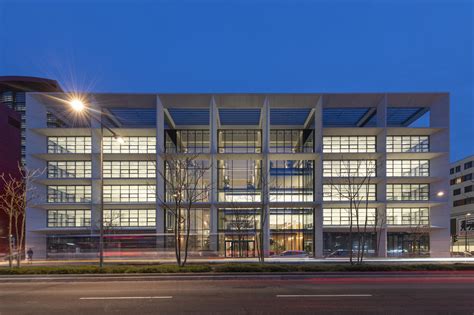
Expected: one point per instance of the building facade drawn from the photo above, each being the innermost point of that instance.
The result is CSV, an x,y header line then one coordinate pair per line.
x,y
12,95
285,165
10,143
462,202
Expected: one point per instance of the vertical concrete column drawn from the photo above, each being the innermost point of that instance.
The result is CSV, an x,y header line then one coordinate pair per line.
x,y
381,115
213,127
266,175
318,179
160,182
439,168
96,168
36,218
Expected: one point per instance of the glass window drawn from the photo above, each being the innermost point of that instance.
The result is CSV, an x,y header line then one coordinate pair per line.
x,y
349,144
129,169
129,193
408,192
80,145
240,141
291,181
187,141
408,168
341,216
408,216
69,169
199,222
130,218
239,220
192,176
130,145
467,165
69,194
408,143
291,141
350,168
239,180
69,218
344,192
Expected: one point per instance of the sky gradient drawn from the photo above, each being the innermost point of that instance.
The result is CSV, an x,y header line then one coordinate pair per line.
x,y
249,46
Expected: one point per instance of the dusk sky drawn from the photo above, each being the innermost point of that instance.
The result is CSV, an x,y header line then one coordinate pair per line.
x,y
249,46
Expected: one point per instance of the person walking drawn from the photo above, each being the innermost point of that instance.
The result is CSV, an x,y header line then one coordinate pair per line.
x,y
30,255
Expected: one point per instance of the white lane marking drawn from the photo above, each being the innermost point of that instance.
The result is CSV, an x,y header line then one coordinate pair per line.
x,y
124,297
323,295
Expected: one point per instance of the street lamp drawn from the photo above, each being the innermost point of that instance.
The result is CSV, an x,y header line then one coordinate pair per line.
x,y
78,106
465,232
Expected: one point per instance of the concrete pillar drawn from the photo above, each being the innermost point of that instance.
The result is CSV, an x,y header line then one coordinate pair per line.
x,y
318,179
266,176
36,218
381,115
213,127
96,167
160,182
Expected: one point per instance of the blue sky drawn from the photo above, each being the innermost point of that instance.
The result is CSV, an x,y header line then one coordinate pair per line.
x,y
249,46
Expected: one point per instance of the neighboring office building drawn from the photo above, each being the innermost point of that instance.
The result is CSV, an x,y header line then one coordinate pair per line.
x,y
296,141
462,196
10,155
12,94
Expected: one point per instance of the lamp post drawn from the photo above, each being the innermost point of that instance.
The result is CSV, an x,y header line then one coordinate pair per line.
x,y
79,106
465,232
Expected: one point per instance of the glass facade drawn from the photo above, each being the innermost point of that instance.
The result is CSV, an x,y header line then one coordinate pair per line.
x,y
199,235
239,181
349,144
408,216
408,144
130,145
130,218
408,168
338,244
69,169
291,181
187,141
342,216
408,244
343,192
350,168
291,140
69,194
291,229
240,141
408,192
129,193
192,176
78,145
129,169
238,232
69,218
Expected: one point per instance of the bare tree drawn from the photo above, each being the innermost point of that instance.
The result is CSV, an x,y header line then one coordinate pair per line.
x,y
17,194
352,183
184,177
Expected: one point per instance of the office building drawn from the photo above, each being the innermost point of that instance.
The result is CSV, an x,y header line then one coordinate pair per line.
x,y
462,202
279,164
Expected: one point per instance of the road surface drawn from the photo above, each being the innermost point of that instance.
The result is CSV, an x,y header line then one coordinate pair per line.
x,y
388,293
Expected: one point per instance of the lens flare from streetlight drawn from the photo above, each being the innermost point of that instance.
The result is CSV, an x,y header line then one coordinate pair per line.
x,y
77,105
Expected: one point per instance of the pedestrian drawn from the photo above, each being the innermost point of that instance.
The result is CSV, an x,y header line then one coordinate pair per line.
x,y
30,255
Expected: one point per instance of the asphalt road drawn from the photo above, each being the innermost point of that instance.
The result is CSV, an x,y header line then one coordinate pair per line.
x,y
361,294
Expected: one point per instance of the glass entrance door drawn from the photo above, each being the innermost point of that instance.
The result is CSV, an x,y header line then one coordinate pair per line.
x,y
239,248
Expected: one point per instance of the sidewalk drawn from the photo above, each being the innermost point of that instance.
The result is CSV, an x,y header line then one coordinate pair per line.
x,y
447,260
